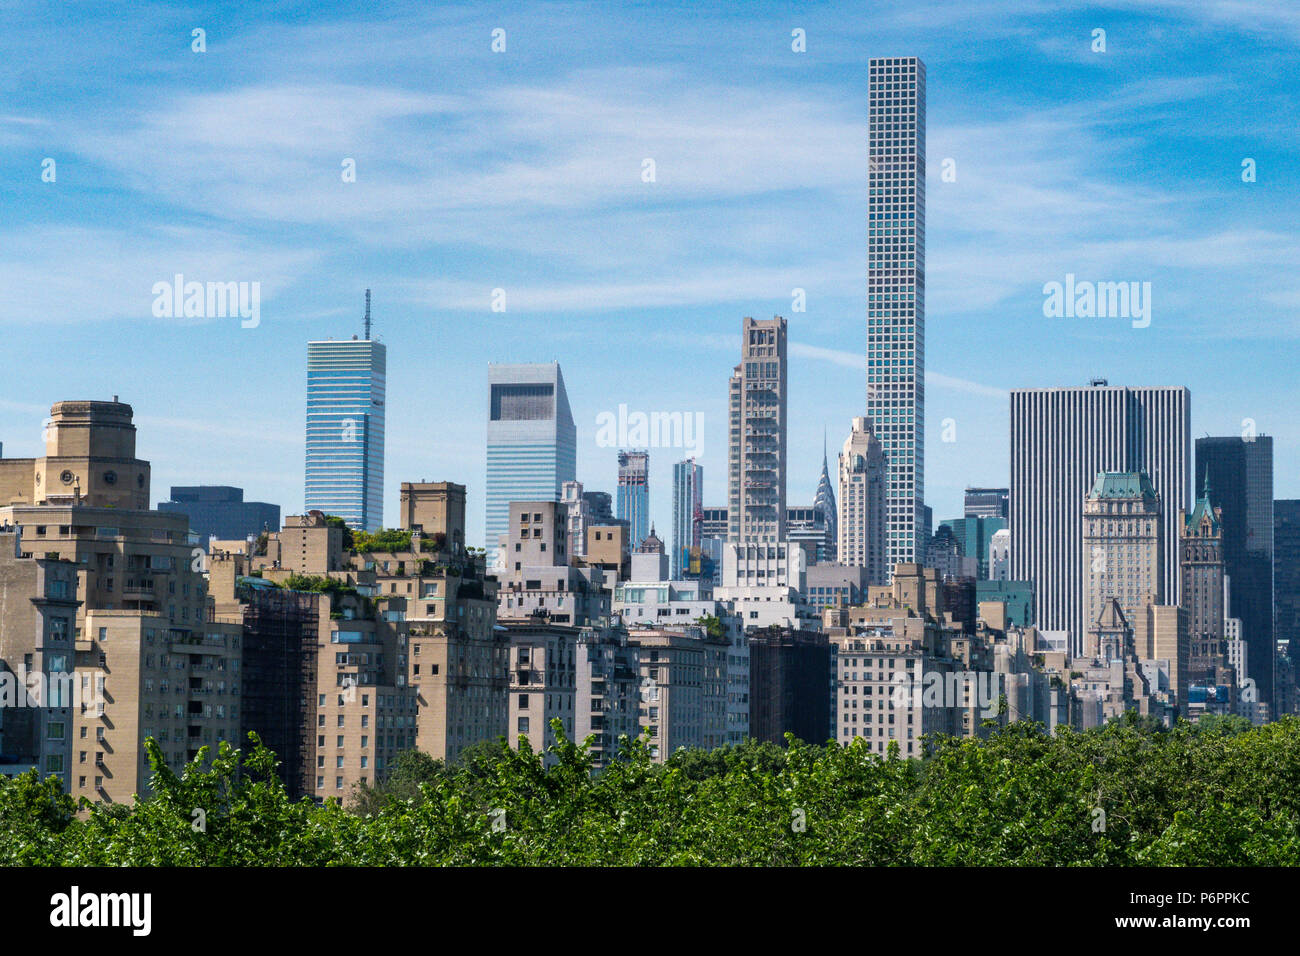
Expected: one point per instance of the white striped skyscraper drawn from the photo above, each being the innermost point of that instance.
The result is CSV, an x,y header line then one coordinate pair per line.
x,y
1061,438
346,384
896,295
532,443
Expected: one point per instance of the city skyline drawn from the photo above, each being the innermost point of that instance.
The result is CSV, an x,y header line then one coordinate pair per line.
x,y
1138,208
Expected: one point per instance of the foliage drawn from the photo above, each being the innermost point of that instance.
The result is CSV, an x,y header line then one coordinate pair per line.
x,y
433,542
334,521
390,540
712,625
1126,794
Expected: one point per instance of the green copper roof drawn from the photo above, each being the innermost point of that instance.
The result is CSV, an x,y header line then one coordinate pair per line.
x,y
1122,484
1203,508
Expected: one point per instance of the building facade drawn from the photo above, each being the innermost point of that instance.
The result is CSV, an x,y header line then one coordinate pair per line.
x,y
1203,591
896,296
688,511
1240,473
1286,573
1122,553
988,503
532,442
1060,439
634,493
756,464
346,392
863,518
220,512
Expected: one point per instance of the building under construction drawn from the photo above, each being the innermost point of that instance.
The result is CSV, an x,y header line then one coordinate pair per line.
x,y
281,638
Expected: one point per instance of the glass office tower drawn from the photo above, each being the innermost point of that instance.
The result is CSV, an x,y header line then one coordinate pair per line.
x,y
345,430
532,443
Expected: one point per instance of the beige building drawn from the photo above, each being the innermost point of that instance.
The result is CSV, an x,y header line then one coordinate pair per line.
x,y
149,655
435,509
307,544
456,659
38,611
180,686
543,680
608,548
862,475
539,579
1122,550
683,688
89,457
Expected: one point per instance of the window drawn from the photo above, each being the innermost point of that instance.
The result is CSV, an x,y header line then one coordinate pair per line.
x,y
523,725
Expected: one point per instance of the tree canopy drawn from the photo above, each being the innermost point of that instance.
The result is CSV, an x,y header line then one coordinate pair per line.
x,y
1126,794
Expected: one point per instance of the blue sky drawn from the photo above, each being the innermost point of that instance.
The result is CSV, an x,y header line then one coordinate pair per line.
x,y
522,170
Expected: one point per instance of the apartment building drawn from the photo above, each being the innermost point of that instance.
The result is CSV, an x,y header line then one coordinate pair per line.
x,y
684,674
538,577
38,611
150,657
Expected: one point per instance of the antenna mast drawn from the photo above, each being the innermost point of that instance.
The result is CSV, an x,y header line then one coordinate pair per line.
x,y
367,315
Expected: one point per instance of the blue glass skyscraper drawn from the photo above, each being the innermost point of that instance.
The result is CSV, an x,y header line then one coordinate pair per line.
x,y
633,501
688,505
345,430
532,443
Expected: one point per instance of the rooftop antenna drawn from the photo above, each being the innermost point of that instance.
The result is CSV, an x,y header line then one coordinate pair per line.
x,y
367,315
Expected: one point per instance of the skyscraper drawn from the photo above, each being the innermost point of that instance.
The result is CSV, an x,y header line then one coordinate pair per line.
x,y
987,502
633,496
1286,572
756,460
688,506
896,295
1060,439
863,476
824,502
1240,473
346,384
532,443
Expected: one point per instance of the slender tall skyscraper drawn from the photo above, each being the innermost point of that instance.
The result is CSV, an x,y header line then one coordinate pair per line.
x,y
756,445
345,429
688,510
1061,438
532,443
1240,474
633,496
896,295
